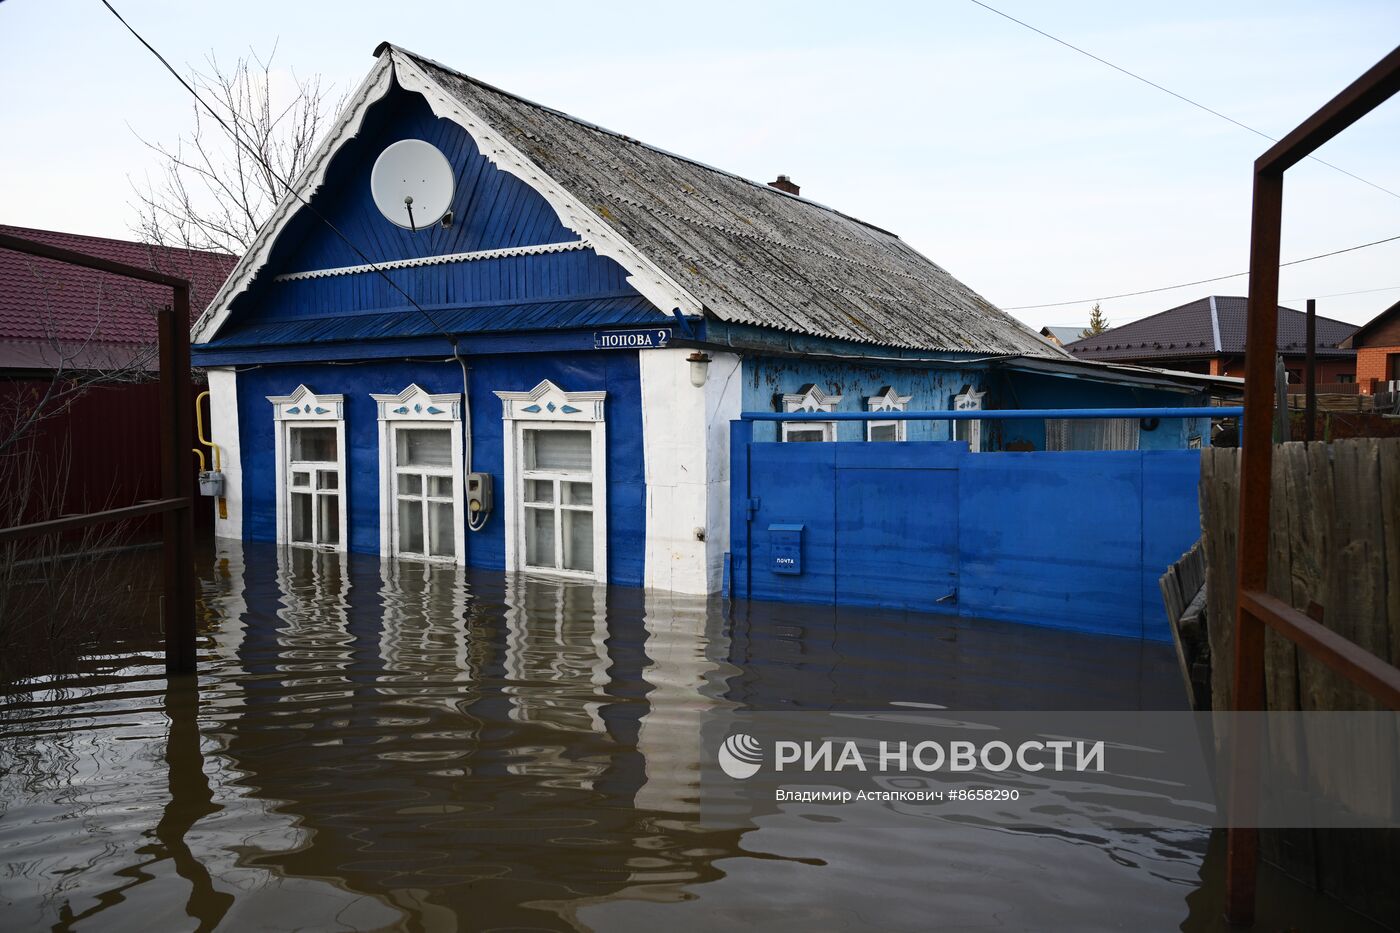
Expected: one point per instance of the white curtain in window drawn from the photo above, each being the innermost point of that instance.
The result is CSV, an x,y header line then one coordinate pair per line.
x,y
425,447
568,451
1091,434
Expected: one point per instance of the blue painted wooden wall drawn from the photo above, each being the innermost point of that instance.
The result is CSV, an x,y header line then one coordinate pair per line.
x,y
1071,540
616,372
931,389
1033,390
492,210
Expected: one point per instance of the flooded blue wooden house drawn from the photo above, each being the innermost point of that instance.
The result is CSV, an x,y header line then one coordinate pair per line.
x,y
487,332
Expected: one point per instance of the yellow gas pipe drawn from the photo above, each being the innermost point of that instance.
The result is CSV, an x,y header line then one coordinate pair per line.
x,y
218,453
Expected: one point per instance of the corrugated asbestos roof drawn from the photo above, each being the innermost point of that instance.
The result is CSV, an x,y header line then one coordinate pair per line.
x,y
45,304
547,315
1207,327
750,253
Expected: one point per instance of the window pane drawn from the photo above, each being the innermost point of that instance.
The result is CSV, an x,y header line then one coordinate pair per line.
x,y
539,537
440,486
410,484
559,450
578,493
440,530
300,478
313,444
578,541
884,432
805,435
539,490
330,519
327,479
301,518
424,447
410,526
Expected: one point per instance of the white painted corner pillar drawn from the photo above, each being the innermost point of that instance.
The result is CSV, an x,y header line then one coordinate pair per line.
x,y
223,431
685,443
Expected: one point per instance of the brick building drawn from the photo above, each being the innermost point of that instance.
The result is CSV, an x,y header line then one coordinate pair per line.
x,y
1377,347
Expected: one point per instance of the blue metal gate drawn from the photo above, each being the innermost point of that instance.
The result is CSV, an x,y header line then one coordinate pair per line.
x,y
1067,539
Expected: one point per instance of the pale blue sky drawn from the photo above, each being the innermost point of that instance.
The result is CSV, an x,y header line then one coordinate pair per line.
x,y
1028,171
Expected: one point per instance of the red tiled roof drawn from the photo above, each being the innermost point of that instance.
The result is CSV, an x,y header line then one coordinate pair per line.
x,y
43,301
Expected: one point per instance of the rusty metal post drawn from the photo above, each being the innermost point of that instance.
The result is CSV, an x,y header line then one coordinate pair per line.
x,y
177,482
1310,374
1261,344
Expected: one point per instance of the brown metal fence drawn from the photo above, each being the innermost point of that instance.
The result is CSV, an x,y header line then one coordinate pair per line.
x,y
176,417
1257,609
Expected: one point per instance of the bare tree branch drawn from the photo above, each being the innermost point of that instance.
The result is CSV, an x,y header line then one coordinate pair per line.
x,y
212,193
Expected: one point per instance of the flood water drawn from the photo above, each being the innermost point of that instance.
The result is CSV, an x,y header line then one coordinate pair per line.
x,y
402,746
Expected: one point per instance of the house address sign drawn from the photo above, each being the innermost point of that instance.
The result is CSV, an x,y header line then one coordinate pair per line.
x,y
653,339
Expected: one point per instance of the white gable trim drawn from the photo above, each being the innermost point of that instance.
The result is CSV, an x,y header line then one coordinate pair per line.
x,y
375,86
543,249
643,275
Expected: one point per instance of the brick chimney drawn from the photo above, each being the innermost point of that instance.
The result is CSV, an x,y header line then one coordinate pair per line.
x,y
785,184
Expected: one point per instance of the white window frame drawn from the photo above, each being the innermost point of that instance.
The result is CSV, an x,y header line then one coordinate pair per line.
x,y
304,408
887,399
548,407
810,398
416,409
969,399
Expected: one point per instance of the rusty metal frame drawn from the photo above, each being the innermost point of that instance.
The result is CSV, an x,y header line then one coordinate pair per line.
x,y
176,505
1256,608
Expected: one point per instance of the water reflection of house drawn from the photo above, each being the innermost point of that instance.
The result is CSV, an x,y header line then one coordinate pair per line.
x,y
577,316
556,654
495,800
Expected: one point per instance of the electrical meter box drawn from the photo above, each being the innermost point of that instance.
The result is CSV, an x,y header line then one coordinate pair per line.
x,y
478,494
785,547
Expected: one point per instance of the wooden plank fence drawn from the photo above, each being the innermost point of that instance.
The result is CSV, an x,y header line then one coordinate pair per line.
x,y
1334,552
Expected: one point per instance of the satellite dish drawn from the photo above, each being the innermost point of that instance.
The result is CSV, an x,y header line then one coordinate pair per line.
x,y
412,184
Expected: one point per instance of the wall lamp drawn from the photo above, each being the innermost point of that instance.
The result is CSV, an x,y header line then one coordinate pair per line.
x,y
699,367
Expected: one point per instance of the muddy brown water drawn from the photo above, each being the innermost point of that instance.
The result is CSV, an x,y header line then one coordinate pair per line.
x,y
402,746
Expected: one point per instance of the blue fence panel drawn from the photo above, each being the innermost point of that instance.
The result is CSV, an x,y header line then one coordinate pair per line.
x,y
795,485
1071,540
1054,539
1171,523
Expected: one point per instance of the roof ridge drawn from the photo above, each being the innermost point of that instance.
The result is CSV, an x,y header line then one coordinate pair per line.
x,y
112,239
1149,317
762,186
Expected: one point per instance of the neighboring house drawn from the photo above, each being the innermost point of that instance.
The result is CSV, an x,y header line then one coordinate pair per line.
x,y
1207,336
1377,347
78,364
574,318
1060,336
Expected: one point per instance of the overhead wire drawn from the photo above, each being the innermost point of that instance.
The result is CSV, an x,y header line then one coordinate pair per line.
x,y
258,157
1218,278
1181,97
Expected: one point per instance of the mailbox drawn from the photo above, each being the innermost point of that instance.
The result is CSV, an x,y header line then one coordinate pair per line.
x,y
785,542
